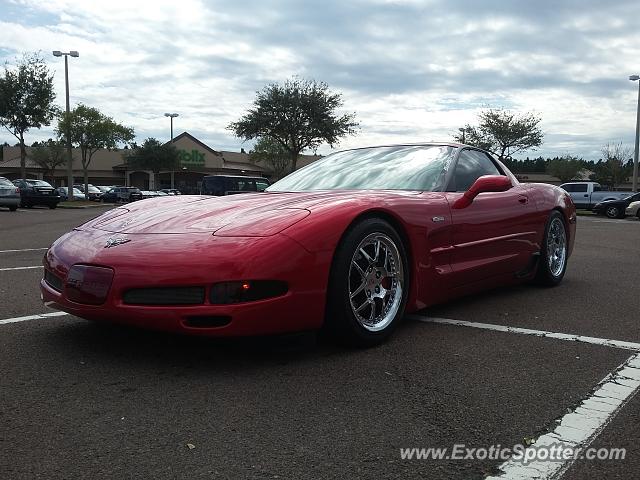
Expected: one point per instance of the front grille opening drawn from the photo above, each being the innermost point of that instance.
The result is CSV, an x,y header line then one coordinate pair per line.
x,y
54,282
165,296
207,321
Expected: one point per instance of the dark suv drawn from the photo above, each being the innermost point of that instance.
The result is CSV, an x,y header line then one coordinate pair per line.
x,y
36,192
121,194
220,185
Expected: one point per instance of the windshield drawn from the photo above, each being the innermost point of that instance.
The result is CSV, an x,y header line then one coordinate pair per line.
x,y
404,167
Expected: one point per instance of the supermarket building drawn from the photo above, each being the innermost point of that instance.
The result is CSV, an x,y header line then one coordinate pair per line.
x,y
108,167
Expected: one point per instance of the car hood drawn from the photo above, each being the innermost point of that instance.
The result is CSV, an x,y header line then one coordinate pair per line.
x,y
259,214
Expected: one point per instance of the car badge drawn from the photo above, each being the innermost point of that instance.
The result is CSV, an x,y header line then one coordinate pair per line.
x,y
438,219
115,241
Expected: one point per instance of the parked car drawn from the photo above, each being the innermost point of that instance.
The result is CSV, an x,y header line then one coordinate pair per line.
x,y
9,195
220,185
384,230
588,194
633,209
615,208
93,193
64,195
152,193
122,194
171,191
36,192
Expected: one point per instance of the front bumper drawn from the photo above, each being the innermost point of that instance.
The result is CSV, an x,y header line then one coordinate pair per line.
x,y
195,260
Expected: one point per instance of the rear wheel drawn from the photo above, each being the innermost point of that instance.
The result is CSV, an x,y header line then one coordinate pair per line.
x,y
52,206
368,285
13,208
553,257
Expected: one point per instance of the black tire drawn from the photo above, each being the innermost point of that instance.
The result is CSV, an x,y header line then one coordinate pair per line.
x,y
13,208
544,275
612,212
29,205
341,320
53,206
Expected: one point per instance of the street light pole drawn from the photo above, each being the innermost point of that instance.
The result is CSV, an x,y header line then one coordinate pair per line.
x,y
172,116
73,53
634,186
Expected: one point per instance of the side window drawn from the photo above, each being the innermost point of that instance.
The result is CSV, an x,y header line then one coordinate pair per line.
x,y
261,186
471,165
580,187
597,188
569,187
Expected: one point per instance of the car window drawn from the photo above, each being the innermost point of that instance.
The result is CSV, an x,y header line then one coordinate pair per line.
x,y
597,188
568,187
580,187
38,183
471,165
261,185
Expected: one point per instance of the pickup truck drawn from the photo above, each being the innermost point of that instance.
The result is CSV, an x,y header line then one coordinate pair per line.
x,y
587,194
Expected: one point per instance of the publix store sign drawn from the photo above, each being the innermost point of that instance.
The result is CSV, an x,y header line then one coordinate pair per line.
x,y
194,158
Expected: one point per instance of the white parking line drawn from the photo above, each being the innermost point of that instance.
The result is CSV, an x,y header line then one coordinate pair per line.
x,y
526,331
32,317
24,250
578,428
19,268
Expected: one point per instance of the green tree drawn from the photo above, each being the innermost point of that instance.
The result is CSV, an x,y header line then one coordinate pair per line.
x,y
615,166
91,131
299,114
273,154
503,132
49,155
155,156
26,100
565,168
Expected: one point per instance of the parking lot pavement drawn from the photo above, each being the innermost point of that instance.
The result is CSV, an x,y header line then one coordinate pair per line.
x,y
84,400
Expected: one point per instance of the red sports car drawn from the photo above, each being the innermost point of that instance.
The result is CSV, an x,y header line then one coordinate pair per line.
x,y
349,243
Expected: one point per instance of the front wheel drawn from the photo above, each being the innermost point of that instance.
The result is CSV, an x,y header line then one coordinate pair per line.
x,y
553,258
612,212
13,208
368,284
53,206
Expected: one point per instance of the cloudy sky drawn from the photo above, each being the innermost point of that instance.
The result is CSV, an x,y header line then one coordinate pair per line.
x,y
412,70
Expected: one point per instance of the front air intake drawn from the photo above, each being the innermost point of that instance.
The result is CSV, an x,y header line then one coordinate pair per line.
x,y
165,296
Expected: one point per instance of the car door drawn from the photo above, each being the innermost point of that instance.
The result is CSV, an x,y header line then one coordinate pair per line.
x,y
580,195
496,233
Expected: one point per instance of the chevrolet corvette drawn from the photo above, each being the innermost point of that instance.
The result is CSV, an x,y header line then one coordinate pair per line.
x,y
349,243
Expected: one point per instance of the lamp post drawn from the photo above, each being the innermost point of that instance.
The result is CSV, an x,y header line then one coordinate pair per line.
x,y
172,116
72,53
634,187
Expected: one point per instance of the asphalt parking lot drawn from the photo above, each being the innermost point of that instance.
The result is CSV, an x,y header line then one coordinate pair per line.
x,y
83,400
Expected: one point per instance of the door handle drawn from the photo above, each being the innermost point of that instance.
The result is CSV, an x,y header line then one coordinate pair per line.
x,y
523,200
586,195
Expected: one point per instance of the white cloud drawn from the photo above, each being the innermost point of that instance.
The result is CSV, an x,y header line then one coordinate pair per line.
x,y
411,70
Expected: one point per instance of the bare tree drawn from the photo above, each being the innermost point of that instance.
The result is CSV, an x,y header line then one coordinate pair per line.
x,y
614,167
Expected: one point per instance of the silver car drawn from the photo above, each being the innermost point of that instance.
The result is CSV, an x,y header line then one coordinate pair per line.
x,y
9,194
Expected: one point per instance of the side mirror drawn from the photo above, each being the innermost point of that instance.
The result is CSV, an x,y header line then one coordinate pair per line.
x,y
485,183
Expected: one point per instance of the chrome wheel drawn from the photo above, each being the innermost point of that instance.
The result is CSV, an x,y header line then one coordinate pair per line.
x,y
556,247
376,282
